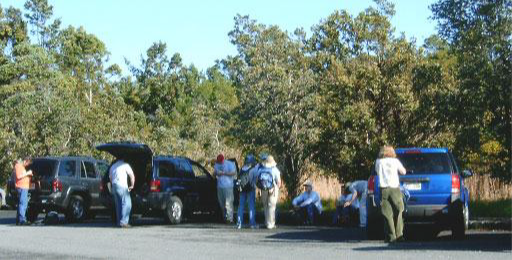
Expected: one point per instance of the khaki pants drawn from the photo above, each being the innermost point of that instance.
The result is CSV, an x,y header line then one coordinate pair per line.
x,y
392,206
225,197
269,199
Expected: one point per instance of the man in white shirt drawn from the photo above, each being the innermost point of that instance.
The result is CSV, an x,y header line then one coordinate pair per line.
x,y
308,203
119,173
225,172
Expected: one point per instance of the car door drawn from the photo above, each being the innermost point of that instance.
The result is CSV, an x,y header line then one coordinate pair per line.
x,y
190,193
205,186
90,182
67,174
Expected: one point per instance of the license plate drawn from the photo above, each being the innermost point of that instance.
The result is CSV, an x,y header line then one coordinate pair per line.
x,y
413,186
32,186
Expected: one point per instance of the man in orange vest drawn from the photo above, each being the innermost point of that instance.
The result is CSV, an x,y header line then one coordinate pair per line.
x,y
22,179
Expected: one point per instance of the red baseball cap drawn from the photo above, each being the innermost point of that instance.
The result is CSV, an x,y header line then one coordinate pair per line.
x,y
220,158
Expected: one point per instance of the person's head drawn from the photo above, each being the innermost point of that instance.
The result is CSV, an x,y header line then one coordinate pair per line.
x,y
346,188
387,151
269,162
250,160
220,158
27,161
308,186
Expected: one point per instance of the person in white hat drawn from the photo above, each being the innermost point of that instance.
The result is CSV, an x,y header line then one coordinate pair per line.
x,y
268,179
308,204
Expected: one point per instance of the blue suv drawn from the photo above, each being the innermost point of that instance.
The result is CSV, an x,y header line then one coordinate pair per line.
x,y
437,192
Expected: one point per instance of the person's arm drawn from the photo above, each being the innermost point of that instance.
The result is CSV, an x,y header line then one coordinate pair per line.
x,y
312,198
296,200
354,196
132,177
21,172
401,169
231,170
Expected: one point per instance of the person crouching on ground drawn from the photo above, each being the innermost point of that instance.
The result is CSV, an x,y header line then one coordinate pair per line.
x,y
346,215
308,204
359,189
225,172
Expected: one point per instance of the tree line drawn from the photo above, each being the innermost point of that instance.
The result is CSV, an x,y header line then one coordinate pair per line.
x,y
323,102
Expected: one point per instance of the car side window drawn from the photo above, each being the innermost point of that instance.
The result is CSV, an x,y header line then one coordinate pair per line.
x,y
167,169
186,169
87,170
67,168
102,168
199,172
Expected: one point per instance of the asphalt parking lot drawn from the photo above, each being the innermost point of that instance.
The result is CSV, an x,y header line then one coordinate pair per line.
x,y
151,238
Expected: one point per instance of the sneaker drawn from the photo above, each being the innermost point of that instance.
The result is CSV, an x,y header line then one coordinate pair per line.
x,y
125,226
238,226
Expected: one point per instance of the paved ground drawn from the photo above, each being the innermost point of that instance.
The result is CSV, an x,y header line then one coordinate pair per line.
x,y
152,239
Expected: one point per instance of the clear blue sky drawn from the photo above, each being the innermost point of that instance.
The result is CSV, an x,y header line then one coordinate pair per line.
x,y
198,29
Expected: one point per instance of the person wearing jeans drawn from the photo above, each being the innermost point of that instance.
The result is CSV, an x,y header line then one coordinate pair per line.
x,y
225,172
22,183
249,195
308,203
119,173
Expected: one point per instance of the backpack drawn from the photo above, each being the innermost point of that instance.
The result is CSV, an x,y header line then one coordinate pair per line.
x,y
244,180
265,179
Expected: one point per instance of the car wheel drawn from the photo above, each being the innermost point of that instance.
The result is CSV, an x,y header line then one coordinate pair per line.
x,y
32,214
460,220
76,210
174,210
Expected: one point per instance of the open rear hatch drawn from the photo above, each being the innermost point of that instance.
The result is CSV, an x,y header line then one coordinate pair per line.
x,y
139,156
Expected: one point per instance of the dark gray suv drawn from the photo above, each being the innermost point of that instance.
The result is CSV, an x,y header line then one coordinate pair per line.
x,y
69,185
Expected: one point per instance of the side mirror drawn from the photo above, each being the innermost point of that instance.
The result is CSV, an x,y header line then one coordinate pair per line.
x,y
466,173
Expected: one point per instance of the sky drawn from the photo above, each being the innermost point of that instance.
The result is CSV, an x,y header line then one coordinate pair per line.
x,y
198,29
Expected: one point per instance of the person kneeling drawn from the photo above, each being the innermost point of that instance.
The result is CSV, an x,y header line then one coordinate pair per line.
x,y
308,204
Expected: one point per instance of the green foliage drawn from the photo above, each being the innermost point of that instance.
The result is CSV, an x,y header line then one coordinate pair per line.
x,y
493,209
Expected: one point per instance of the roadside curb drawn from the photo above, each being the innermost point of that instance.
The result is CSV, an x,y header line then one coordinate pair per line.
x,y
491,223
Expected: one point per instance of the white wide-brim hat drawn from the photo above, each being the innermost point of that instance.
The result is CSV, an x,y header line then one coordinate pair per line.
x,y
269,162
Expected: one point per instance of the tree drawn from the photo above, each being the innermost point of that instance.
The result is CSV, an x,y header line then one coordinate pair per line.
x,y
277,98
480,36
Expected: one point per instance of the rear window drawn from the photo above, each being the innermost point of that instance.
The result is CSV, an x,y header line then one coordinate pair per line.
x,y
43,168
425,162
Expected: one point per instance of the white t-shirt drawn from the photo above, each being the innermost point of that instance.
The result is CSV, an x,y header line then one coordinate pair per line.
x,y
119,173
387,169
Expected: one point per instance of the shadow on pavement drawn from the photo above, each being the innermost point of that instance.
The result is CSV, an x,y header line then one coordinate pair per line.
x,y
328,235
486,242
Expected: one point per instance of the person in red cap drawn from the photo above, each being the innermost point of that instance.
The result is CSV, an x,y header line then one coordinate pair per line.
x,y
225,172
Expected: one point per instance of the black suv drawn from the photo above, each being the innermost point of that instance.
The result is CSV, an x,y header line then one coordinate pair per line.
x,y
69,185
165,185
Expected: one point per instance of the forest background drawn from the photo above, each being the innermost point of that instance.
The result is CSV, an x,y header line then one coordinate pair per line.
x,y
322,104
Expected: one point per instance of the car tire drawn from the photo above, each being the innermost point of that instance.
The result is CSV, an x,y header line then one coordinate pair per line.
x,y
460,220
174,210
76,211
32,214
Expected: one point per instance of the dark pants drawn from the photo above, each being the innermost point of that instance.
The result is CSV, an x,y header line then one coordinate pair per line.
x,y
346,216
392,207
308,214
22,206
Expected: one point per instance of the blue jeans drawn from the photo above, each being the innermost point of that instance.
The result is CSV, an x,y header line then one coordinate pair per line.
x,y
22,206
123,204
251,197
309,212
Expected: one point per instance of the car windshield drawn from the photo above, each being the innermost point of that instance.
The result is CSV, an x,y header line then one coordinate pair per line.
x,y
43,167
425,162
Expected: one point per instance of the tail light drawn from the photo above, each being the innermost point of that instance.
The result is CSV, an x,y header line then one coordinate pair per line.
x,y
455,183
371,184
155,186
56,185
